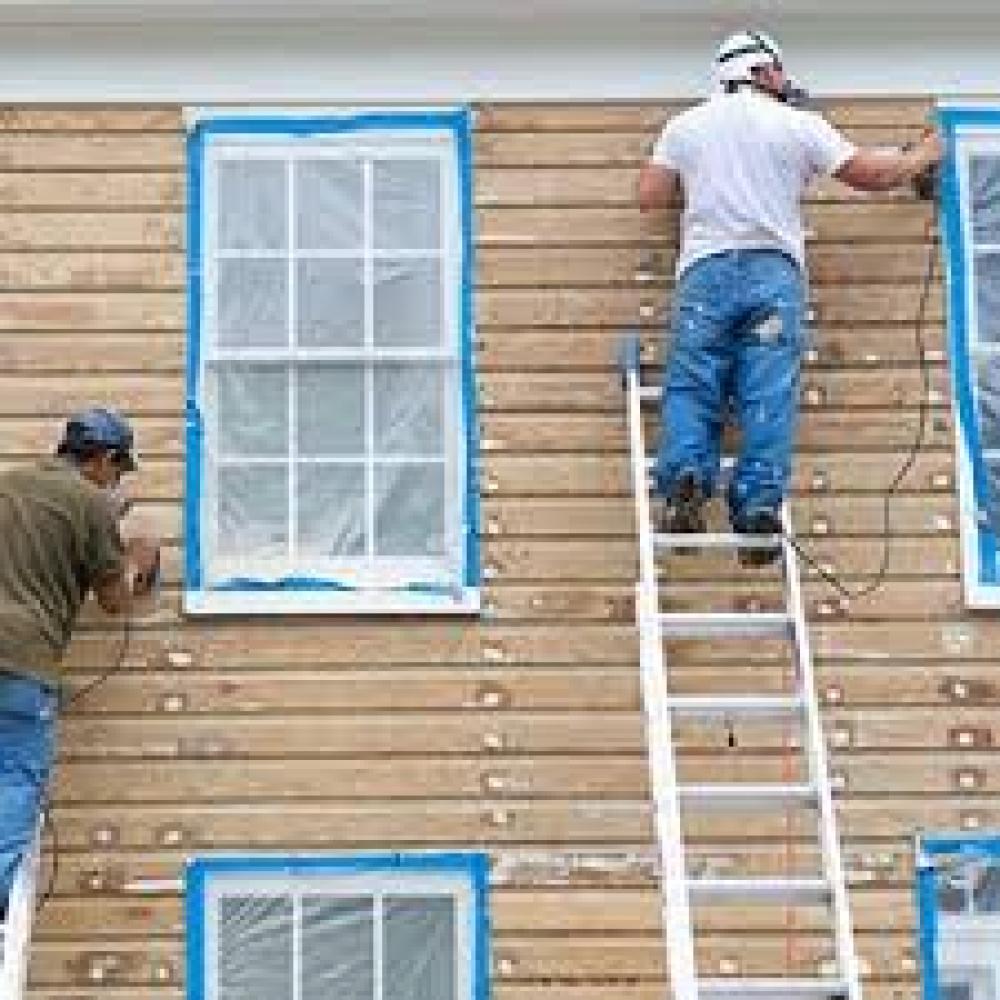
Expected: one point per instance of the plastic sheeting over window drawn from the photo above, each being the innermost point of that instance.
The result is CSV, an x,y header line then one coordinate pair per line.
x,y
331,381
971,216
337,946
313,930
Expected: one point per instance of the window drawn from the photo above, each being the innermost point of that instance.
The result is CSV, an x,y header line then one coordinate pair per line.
x,y
329,398
371,928
958,882
971,216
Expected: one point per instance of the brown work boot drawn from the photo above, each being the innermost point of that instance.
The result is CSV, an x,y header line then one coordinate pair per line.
x,y
759,522
684,511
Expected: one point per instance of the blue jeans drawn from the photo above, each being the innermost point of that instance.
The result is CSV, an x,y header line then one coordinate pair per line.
x,y
737,344
28,712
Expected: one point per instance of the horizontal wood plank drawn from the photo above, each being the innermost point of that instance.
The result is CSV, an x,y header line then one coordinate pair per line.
x,y
897,303
143,231
586,347
146,190
826,223
614,185
85,311
103,151
834,265
631,115
91,118
624,147
85,270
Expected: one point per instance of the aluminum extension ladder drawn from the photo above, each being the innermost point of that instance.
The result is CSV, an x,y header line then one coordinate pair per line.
x,y
680,889
16,932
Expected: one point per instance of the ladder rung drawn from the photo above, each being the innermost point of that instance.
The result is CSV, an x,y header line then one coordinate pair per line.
x,y
649,393
699,625
769,989
760,890
716,540
707,706
746,796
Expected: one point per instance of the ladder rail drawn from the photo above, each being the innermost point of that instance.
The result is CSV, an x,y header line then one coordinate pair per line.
x,y
819,773
676,902
17,931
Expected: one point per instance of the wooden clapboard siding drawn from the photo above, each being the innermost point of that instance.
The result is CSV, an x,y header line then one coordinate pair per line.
x,y
519,733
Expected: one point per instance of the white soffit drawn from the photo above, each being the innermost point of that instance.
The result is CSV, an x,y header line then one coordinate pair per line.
x,y
445,50
244,11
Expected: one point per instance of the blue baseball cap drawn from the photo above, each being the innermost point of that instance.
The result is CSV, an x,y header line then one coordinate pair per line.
x,y
101,428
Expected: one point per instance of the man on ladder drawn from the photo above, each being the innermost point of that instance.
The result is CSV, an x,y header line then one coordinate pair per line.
x,y
743,159
60,540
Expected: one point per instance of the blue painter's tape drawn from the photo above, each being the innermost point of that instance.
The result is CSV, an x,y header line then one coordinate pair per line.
x,y
471,512
450,862
958,273
474,865
973,845
481,930
309,126
193,437
927,914
459,123
194,912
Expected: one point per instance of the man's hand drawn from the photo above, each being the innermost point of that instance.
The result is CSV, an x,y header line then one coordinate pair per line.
x,y
137,578
143,557
930,148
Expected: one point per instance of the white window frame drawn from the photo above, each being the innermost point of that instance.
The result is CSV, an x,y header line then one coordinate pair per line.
x,y
348,585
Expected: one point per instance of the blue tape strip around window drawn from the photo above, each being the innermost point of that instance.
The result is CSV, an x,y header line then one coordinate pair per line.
x,y
973,845
958,270
194,913
927,916
928,849
459,122
192,415
463,142
199,872
480,871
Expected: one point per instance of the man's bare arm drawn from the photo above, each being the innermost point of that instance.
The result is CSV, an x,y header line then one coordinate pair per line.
x,y
658,187
885,169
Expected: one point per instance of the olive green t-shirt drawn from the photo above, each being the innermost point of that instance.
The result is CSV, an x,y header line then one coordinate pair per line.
x,y
58,538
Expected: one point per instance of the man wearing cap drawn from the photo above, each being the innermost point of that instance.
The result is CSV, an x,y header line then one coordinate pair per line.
x,y
60,541
743,159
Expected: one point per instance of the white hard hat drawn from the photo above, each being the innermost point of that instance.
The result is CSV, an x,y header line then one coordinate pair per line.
x,y
743,52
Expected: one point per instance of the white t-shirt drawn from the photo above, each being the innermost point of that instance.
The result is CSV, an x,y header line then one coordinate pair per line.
x,y
745,160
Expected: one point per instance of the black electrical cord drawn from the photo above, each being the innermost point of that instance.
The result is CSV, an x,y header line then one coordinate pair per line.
x,y
116,667
49,826
48,820
879,578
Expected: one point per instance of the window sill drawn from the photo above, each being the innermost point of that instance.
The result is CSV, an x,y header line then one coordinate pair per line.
x,y
325,602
